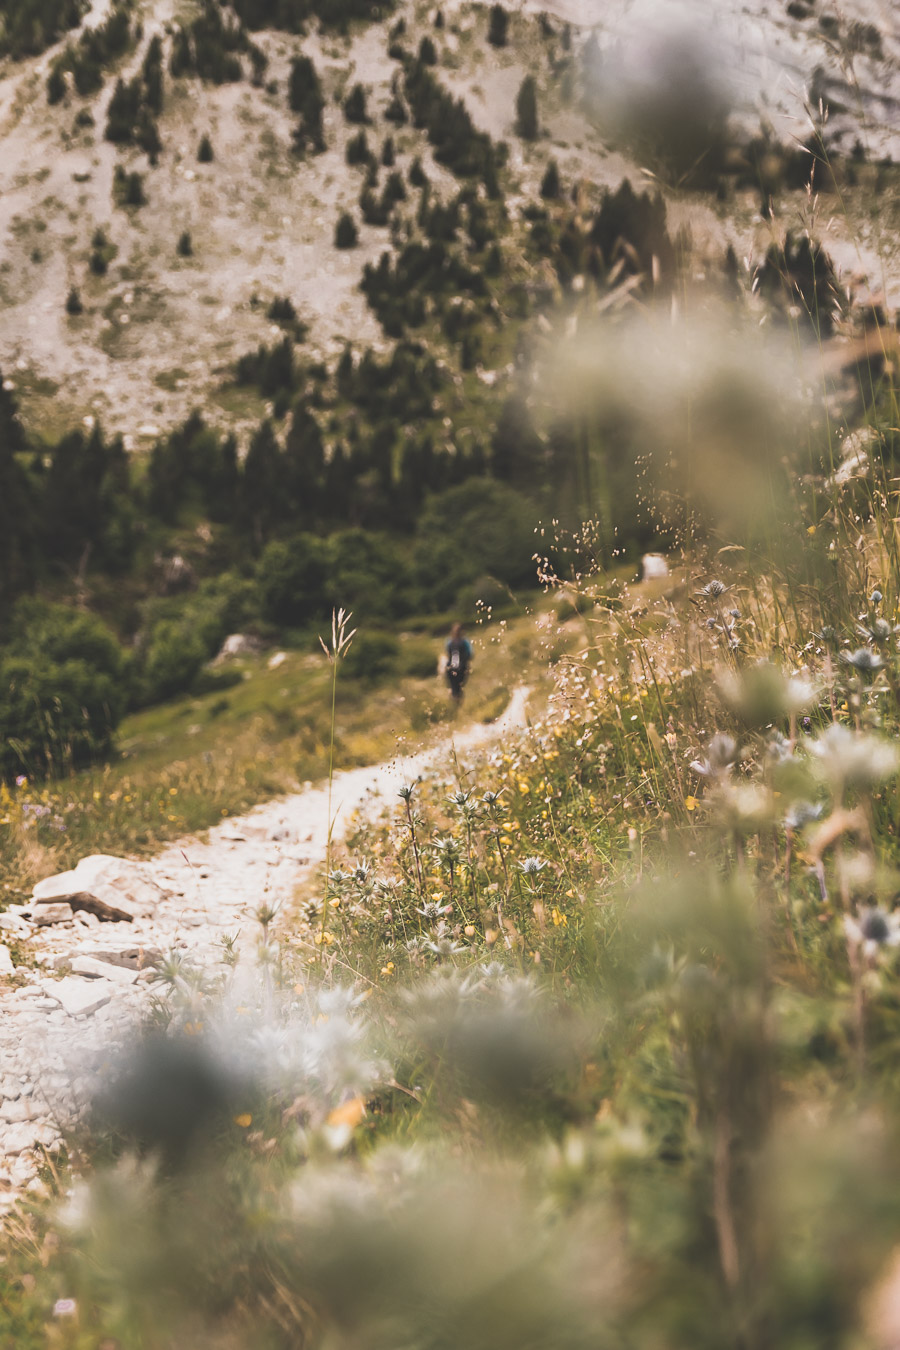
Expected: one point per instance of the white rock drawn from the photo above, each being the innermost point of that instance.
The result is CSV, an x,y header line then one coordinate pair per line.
x,y
79,997
6,963
14,923
46,914
19,1138
119,886
88,966
276,659
654,567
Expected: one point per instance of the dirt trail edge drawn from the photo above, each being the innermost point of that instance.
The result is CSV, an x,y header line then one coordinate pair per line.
x,y
53,1029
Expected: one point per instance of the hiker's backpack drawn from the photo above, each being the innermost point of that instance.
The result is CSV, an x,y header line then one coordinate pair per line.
x,y
457,657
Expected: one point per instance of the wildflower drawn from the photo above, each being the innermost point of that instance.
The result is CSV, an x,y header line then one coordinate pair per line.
x,y
491,798
713,590
863,659
406,792
21,780
531,867
802,813
459,799
879,631
721,754
432,911
873,929
876,597
852,758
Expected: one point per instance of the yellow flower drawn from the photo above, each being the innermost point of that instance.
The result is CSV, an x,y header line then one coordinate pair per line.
x,y
559,919
173,792
691,803
245,1120
351,1113
469,930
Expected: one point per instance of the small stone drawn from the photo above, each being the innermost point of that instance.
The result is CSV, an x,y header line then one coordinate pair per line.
x,y
93,969
44,915
79,997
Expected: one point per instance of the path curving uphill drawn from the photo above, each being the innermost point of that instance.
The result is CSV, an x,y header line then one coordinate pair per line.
x,y
91,980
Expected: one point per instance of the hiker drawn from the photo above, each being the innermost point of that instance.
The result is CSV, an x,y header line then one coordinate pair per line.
x,y
459,658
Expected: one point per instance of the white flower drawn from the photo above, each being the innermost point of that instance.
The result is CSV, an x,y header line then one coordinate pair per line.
x,y
873,929
854,758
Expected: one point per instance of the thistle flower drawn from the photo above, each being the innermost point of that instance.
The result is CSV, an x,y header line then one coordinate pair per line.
x,y
406,792
876,597
432,911
863,660
872,930
878,631
532,867
491,799
801,814
460,798
721,754
713,590
853,758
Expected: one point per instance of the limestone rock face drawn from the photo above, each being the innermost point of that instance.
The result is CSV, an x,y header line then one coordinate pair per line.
x,y
114,889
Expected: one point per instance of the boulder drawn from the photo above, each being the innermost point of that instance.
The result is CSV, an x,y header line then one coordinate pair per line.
x,y
237,644
114,889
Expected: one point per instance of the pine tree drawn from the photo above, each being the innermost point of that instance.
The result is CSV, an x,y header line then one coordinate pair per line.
x,y
499,23
526,109
205,153
355,105
550,183
346,234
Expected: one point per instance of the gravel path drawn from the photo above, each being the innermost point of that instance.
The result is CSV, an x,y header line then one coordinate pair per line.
x,y
91,980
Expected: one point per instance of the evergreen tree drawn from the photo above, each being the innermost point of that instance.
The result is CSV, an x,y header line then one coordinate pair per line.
x,y
355,106
346,234
498,26
304,458
205,154
18,532
526,109
550,183
262,495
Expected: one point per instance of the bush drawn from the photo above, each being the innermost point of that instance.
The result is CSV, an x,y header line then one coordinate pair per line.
x,y
371,657
346,234
172,661
205,153
73,302
291,575
185,247
63,689
478,529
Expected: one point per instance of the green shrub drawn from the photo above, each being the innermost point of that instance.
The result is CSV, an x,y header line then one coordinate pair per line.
x,y
74,305
63,690
480,528
291,576
371,657
173,659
